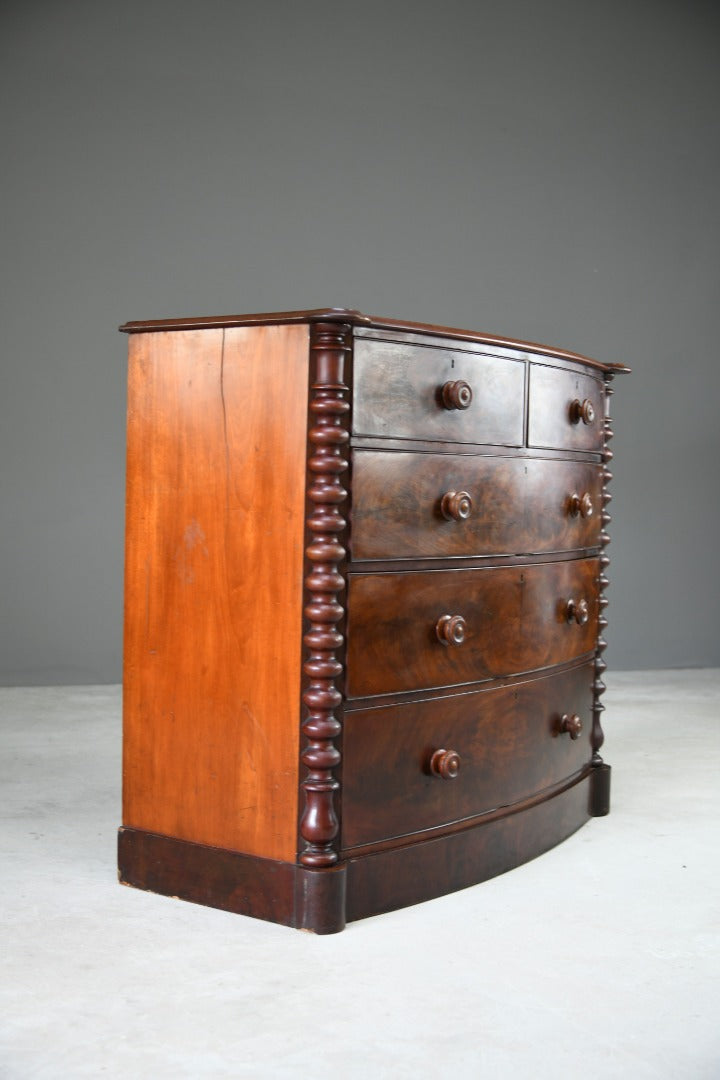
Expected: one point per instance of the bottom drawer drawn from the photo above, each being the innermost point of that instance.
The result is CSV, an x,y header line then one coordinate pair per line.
x,y
508,741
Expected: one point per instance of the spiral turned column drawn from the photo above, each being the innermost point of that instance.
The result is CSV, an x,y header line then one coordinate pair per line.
x,y
327,460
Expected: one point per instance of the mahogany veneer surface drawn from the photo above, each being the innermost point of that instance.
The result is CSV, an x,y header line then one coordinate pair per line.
x,y
515,621
364,609
518,505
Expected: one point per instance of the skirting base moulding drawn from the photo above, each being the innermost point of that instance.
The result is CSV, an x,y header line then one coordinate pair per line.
x,y
364,610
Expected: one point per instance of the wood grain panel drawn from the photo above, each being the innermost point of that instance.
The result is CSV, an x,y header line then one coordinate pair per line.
x,y
508,740
519,506
398,393
552,394
515,621
213,585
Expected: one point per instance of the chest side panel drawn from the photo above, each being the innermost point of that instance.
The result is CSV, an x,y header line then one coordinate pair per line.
x,y
213,586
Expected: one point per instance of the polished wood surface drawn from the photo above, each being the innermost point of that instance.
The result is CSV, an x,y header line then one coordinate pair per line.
x,y
354,318
411,873
515,620
509,743
558,402
399,392
516,505
326,524
279,891
213,601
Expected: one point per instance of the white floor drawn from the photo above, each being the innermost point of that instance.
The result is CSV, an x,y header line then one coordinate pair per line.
x,y
599,959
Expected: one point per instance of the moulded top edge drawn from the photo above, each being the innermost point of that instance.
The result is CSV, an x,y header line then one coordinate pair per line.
x,y
356,318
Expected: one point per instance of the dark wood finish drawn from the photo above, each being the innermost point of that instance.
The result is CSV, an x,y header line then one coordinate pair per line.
x,y
571,725
399,392
515,620
327,461
450,630
456,395
507,739
600,800
416,872
456,506
582,411
598,736
445,763
280,892
577,611
516,505
215,485
555,398
581,505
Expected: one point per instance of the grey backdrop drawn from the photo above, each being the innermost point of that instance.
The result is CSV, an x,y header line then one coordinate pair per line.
x,y
545,169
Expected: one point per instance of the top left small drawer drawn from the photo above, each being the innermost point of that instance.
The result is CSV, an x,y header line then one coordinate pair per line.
x,y
436,394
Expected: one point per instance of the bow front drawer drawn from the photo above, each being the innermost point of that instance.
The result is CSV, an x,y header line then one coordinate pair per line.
x,y
438,628
441,395
414,767
409,505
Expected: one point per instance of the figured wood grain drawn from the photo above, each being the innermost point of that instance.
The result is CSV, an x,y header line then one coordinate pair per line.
x,y
515,621
519,506
553,394
508,741
399,393
213,585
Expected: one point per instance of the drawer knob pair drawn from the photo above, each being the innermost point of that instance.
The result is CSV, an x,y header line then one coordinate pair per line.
x,y
577,611
450,629
571,725
456,505
456,395
582,505
445,764
582,410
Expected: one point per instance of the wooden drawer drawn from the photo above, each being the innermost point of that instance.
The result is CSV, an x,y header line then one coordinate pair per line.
x,y
515,619
517,506
398,393
566,409
509,742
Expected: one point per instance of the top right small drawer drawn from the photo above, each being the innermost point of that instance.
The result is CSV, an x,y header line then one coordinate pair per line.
x,y
566,409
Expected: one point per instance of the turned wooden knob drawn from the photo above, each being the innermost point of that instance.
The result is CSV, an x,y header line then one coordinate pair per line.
x,y
446,764
456,505
571,725
577,611
582,505
582,410
450,629
456,395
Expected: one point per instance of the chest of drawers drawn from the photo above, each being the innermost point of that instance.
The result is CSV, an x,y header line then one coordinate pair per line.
x,y
364,610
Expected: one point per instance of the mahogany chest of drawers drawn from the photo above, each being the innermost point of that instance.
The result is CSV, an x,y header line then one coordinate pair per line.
x,y
364,610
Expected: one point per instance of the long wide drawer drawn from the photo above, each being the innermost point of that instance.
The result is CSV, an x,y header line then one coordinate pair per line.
x,y
408,505
417,392
444,627
502,746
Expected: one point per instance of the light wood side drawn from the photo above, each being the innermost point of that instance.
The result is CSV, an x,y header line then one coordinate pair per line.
x,y
213,585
